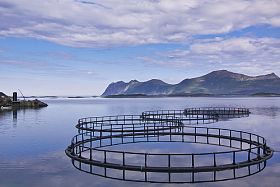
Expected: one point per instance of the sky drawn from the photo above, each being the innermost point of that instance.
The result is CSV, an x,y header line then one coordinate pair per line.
x,y
78,47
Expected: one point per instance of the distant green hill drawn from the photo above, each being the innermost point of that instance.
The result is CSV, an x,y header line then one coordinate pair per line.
x,y
220,82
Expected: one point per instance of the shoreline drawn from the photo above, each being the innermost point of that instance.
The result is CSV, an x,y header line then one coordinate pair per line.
x,y
139,97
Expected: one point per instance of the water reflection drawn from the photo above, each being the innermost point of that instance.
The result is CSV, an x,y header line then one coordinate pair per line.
x,y
34,151
95,133
272,111
15,118
13,114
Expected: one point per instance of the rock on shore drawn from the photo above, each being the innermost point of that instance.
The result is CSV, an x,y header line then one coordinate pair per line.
x,y
32,104
5,100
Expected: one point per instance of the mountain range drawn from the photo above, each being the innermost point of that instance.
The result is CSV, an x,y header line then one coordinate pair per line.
x,y
221,82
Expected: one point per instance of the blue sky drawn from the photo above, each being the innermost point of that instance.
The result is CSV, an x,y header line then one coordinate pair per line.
x,y
68,47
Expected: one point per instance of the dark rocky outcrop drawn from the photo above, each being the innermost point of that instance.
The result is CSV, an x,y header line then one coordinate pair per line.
x,y
2,94
220,82
5,100
32,104
6,103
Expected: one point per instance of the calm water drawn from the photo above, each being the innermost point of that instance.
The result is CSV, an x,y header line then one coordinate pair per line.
x,y
32,142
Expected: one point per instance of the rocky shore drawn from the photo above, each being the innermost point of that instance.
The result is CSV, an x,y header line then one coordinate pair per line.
x,y
7,103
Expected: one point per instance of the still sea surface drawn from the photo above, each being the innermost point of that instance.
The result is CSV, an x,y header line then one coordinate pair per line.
x,y
32,142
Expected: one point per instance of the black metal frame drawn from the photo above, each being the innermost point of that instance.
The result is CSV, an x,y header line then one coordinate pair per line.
x,y
96,133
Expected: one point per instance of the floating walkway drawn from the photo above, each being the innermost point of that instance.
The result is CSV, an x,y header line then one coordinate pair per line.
x,y
90,149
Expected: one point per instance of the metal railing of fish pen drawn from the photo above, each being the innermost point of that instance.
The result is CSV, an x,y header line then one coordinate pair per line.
x,y
98,133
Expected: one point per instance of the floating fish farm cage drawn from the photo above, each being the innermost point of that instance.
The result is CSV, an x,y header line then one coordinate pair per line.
x,y
91,150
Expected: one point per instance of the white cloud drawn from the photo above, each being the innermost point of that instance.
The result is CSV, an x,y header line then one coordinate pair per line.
x,y
244,54
108,22
238,45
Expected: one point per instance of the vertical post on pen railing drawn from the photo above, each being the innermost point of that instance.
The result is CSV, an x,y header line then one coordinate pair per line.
x,y
93,129
100,134
183,137
192,177
169,161
154,128
145,160
145,167
123,155
80,152
230,144
195,134
215,175
133,131
111,132
144,129
207,132
158,129
192,160
250,140
203,118
82,136
122,127
169,131
105,156
75,143
192,167
215,164
147,133
241,140
249,155
264,148
219,136
90,154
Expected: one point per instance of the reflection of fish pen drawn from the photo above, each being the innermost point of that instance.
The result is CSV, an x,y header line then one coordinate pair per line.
x,y
89,150
198,115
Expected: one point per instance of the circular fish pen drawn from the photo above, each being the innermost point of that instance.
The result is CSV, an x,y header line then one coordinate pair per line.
x,y
91,149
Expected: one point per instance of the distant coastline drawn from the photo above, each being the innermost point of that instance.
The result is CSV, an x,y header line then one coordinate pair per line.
x,y
190,95
261,94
